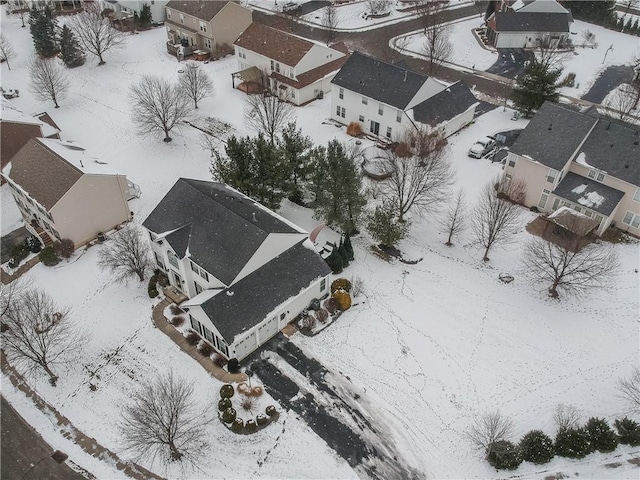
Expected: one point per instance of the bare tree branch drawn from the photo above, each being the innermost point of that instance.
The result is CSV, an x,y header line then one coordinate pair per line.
x,y
488,429
629,389
126,254
11,294
48,81
623,101
330,22
268,113
20,8
6,50
566,416
196,82
453,220
95,32
437,47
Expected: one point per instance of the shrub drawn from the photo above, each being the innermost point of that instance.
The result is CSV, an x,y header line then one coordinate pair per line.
x,y
32,243
331,305
247,404
354,129
192,338
568,81
343,298
628,431
223,404
205,349
254,391
504,455
536,447
48,257
175,309
18,253
271,411
64,248
237,425
309,322
229,415
163,280
357,287
226,391
250,426
219,360
233,366
572,443
403,150
600,435
322,315
262,420
152,287
340,284
314,305
176,321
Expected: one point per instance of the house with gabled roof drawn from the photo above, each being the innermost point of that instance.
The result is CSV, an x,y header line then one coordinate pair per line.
x,y
65,192
300,70
246,270
200,27
386,99
580,160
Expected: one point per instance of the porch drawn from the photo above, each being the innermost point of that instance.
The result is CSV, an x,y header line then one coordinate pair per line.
x,y
39,232
174,294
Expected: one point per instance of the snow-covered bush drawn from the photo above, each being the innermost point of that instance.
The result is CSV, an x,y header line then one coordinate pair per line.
x,y
205,349
628,431
536,447
176,321
237,426
572,443
271,411
192,338
600,435
504,455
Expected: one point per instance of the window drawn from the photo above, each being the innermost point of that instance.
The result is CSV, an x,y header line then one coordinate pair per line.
x,y
203,27
636,196
512,162
291,72
207,43
173,260
543,198
273,65
340,111
283,315
388,132
365,101
182,19
323,284
399,116
293,93
199,270
361,118
195,324
341,93
380,109
588,213
277,67
159,261
198,288
632,219
555,204
577,209
551,176
596,175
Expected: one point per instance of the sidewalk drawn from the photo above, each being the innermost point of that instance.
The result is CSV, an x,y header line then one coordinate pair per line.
x,y
214,370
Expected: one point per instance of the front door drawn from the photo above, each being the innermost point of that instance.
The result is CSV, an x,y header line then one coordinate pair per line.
x,y
177,280
374,128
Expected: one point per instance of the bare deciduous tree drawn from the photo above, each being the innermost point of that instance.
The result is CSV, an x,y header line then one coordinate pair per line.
x,y
623,101
488,429
95,33
38,334
48,81
329,22
20,8
629,389
494,217
566,416
376,6
437,46
196,82
6,50
164,422
126,254
158,106
421,179
452,221
268,113
11,293
574,272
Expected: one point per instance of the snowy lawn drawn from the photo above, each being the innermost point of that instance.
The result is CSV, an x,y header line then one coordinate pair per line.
x,y
435,344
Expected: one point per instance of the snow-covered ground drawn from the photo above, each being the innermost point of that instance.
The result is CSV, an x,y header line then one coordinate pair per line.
x,y
434,344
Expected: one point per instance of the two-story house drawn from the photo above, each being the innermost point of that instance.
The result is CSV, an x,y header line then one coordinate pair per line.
x,y
386,99
63,191
198,25
125,9
246,270
298,68
581,160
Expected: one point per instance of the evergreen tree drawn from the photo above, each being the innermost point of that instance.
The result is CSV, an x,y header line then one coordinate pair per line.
x,y
600,435
269,173
537,84
236,169
343,253
338,187
629,25
72,55
601,12
297,156
145,19
536,447
43,28
348,247
384,227
334,260
635,29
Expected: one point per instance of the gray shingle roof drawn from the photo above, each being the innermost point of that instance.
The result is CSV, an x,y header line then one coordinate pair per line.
x,y
553,135
532,22
219,227
594,195
378,80
445,105
248,302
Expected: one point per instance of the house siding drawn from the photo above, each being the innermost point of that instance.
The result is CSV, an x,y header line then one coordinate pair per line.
x,y
527,39
232,20
455,124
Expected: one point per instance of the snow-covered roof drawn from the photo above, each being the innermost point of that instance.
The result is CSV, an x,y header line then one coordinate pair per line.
x,y
9,113
78,156
590,194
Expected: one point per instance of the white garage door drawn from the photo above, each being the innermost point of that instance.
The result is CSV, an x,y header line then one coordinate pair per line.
x,y
246,346
267,330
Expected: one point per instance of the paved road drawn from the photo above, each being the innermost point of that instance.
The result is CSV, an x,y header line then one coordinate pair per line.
x,y
25,455
607,81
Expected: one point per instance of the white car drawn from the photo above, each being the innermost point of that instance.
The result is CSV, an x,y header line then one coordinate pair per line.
x,y
9,93
482,147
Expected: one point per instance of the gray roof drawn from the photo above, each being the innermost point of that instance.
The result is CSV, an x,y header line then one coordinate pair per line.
x,y
219,227
381,81
445,105
553,135
511,21
248,302
594,195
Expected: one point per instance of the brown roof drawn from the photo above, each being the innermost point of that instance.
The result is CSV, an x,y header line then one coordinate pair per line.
x,y
315,74
275,44
14,137
204,10
43,174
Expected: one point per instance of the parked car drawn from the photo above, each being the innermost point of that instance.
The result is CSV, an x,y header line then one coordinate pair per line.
x,y
9,93
482,147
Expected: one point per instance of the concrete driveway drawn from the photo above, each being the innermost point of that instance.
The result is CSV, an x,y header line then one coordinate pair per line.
x,y
611,78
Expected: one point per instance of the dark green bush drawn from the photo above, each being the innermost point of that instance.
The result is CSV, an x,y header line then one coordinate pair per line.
x,y
628,431
271,411
223,404
504,455
64,248
18,253
32,243
152,287
233,366
237,425
600,435
536,447
250,426
340,283
229,415
572,443
48,257
227,391
262,420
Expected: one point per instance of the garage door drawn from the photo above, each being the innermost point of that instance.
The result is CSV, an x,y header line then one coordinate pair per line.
x,y
267,330
246,346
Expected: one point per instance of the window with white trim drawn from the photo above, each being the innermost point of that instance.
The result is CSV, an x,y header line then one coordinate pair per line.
x,y
323,284
340,111
173,260
159,261
203,26
632,219
380,109
596,175
543,198
290,72
207,43
365,101
636,196
512,162
341,93
198,288
588,213
388,132
361,118
551,175
399,116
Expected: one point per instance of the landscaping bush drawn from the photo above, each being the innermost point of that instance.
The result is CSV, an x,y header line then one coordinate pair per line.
x,y
152,287
332,305
48,257
600,435
340,284
32,243
322,315
226,391
536,447
247,404
354,129
64,248
262,420
219,360
309,322
254,391
18,253
572,443
205,349
163,280
229,415
176,321
250,426
233,366
175,309
504,455
192,338
271,411
237,426
628,431
568,81
343,298
223,404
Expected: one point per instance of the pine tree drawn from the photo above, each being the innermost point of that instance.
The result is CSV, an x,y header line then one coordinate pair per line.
x,y
269,173
334,260
145,19
635,29
348,247
72,55
297,154
537,84
344,255
384,227
43,30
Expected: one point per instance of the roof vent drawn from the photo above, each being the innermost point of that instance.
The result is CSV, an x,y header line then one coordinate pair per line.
x,y
550,126
253,217
405,75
